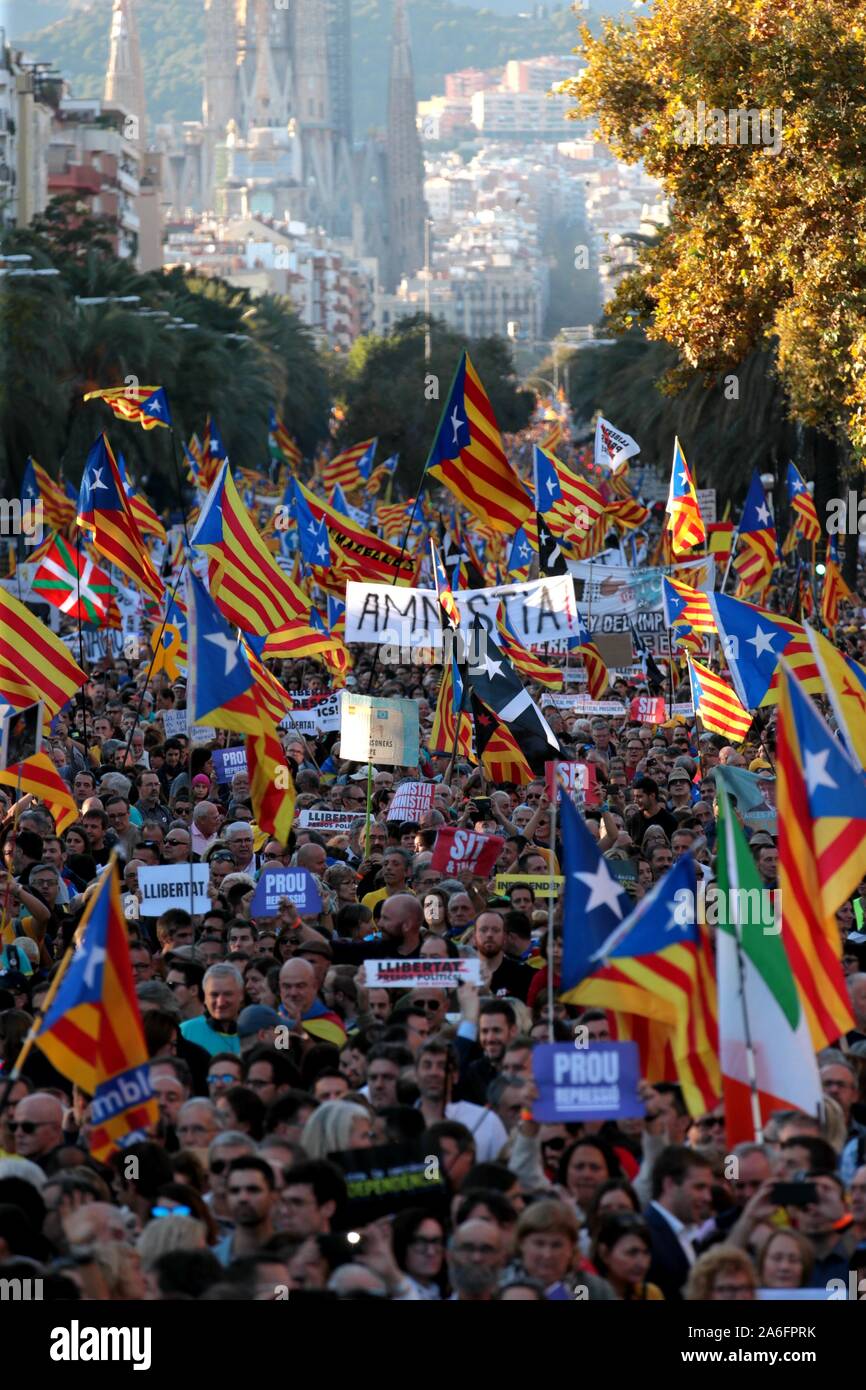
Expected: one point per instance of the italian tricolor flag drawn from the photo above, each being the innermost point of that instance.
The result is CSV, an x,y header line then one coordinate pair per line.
x,y
758,999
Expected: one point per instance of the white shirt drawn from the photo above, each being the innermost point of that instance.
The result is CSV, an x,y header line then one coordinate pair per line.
x,y
486,1128
682,1233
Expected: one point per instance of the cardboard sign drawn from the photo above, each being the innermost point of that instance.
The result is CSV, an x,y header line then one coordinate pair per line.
x,y
539,883
339,821
578,779
596,1082
648,709
379,731
707,504
298,885
388,1179
422,974
174,722
583,706
168,885
228,761
411,800
202,733
458,850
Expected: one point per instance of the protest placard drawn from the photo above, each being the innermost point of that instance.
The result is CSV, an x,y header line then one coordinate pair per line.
x,y
578,779
202,733
168,885
228,761
313,714
539,883
387,1179
174,722
411,800
648,709
431,973
379,731
298,885
595,1082
339,821
458,850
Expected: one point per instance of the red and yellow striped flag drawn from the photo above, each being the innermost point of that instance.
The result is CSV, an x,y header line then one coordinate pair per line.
x,y
686,525
139,405
498,749
346,469
40,778
468,458
272,786
525,661
443,732
58,509
718,706
834,592
34,664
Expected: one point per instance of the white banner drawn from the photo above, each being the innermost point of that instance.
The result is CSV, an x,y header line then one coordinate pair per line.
x,y
313,714
340,821
541,611
169,886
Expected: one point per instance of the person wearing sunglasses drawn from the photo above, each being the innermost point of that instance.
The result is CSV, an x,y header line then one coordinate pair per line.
x,y
225,1071
37,1130
178,844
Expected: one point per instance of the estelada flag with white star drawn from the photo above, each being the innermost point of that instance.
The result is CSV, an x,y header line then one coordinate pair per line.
x,y
753,641
104,510
69,580
758,552
821,799
686,525
140,405
468,458
91,1030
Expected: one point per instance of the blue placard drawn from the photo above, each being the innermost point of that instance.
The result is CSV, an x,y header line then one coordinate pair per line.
x,y
228,761
595,1082
298,885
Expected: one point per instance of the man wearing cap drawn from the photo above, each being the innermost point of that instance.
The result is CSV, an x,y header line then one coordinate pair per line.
x,y
256,1024
679,790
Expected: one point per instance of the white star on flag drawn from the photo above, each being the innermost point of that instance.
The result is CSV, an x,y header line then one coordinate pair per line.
x,y
456,423
95,481
490,667
604,889
155,406
816,771
762,641
762,514
95,958
227,646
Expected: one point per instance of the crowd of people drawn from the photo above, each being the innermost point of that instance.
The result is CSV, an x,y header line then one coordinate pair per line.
x,y
272,1055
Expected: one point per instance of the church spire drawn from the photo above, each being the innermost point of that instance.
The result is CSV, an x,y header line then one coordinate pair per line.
x,y
124,80
406,210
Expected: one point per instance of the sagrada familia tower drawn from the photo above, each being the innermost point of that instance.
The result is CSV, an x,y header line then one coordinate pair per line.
x,y
276,139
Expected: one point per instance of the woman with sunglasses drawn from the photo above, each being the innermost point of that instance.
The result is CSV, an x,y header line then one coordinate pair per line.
x,y
179,1199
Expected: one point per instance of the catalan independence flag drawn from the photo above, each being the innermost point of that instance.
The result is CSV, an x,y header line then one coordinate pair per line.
x,y
104,511
805,518
686,524
34,664
498,749
140,405
40,777
281,442
447,601
246,582
350,468
92,1032
58,510
753,641
821,799
717,704
272,786
450,709
145,517
757,556
833,592
683,604
468,458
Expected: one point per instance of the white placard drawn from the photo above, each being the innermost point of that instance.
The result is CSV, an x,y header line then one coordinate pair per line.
x,y
411,800
382,614
339,821
168,886
314,715
431,973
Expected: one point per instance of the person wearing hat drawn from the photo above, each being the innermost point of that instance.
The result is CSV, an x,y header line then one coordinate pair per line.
x,y
256,1024
679,790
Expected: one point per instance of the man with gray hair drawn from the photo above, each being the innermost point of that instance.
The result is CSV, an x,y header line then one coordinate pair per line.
x,y
206,820
216,1030
198,1123
239,839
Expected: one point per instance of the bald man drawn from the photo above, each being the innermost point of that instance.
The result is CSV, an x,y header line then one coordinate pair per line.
x,y
302,1010
38,1130
400,923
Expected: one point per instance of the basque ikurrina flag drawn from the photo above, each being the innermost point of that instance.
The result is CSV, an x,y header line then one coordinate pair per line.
x,y
468,458
92,1031
70,581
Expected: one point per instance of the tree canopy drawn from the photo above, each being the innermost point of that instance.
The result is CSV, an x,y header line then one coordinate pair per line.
x,y
765,248
240,356
389,390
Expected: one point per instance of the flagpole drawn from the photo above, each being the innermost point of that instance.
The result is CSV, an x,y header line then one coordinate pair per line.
x,y
550,907
734,539
80,633
369,802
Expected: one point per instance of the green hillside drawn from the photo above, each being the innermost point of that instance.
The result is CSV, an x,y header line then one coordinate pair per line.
x,y
445,36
